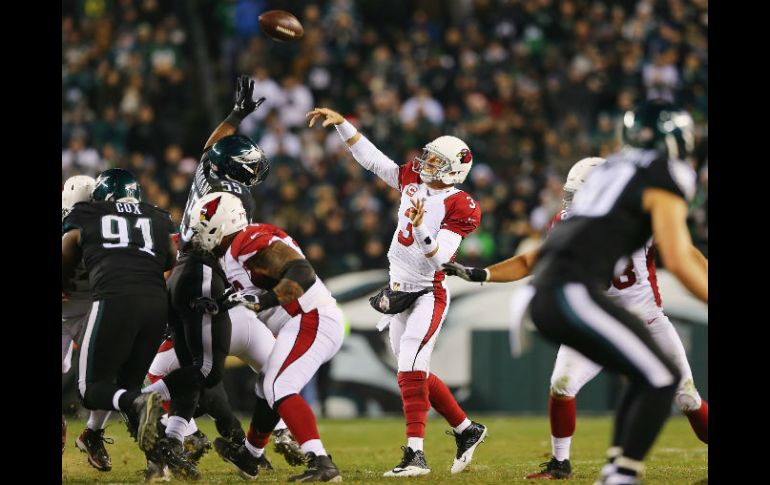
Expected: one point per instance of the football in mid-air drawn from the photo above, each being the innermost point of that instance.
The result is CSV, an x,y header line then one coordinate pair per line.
x,y
281,25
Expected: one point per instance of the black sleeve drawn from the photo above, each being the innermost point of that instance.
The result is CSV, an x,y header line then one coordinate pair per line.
x,y
675,176
76,219
248,203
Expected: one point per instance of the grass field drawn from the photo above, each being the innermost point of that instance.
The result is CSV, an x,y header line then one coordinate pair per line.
x,y
363,449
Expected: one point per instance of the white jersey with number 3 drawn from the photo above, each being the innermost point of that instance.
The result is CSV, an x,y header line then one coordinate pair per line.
x,y
637,287
451,209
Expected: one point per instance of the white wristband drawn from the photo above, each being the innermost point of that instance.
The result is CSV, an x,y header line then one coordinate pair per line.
x,y
424,239
346,130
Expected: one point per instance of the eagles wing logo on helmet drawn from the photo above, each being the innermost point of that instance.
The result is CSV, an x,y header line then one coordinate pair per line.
x,y
465,155
208,210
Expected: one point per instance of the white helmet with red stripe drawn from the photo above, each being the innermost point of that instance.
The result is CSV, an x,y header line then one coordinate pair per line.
x,y
76,189
455,161
216,215
577,176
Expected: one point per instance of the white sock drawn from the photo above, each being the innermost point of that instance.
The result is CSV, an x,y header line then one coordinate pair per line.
x,y
191,427
158,386
116,399
281,425
97,419
313,446
462,426
176,427
560,447
255,452
414,443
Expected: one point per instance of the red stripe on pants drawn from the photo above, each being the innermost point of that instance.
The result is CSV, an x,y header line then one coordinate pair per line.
x,y
308,329
439,304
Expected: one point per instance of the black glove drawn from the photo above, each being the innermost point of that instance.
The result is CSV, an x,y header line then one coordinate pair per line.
x,y
244,102
205,305
467,273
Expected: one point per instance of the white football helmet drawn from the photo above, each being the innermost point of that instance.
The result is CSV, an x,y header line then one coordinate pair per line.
x,y
455,156
216,215
76,189
577,175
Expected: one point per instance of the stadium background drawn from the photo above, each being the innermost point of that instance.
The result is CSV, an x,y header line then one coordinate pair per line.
x,y
532,86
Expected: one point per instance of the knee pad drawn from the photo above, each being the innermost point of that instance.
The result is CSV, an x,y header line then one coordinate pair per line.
x,y
687,397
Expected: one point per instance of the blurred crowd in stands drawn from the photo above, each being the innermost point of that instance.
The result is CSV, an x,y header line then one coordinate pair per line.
x,y
531,85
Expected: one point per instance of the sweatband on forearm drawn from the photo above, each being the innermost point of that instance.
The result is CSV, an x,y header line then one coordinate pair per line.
x,y
346,130
235,117
299,271
422,236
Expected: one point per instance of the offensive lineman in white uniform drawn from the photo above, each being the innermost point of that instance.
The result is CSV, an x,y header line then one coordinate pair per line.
x,y
433,218
75,308
637,290
269,274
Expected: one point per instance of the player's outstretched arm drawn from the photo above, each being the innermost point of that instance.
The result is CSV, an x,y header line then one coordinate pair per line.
x,y
669,226
364,151
244,105
512,269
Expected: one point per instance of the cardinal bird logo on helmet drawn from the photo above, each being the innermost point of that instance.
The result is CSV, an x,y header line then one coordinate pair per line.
x,y
208,210
465,156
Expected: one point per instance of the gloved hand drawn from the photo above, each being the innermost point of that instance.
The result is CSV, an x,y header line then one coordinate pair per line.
x,y
244,103
467,273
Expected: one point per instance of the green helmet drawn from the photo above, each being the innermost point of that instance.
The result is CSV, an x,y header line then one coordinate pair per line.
x,y
237,158
662,126
117,185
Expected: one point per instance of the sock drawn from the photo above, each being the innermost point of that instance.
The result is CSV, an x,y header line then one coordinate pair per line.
x,y
313,446
613,452
445,404
699,421
415,443
563,416
158,386
97,419
299,418
462,426
256,439
176,427
281,425
414,395
192,427
627,466
560,447
255,452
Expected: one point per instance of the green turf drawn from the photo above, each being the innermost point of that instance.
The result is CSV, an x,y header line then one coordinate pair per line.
x,y
365,448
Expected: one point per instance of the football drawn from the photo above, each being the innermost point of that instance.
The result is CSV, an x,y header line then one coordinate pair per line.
x,y
280,25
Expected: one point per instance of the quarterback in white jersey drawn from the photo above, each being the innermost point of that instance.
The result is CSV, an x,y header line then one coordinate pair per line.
x,y
636,289
433,218
75,308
